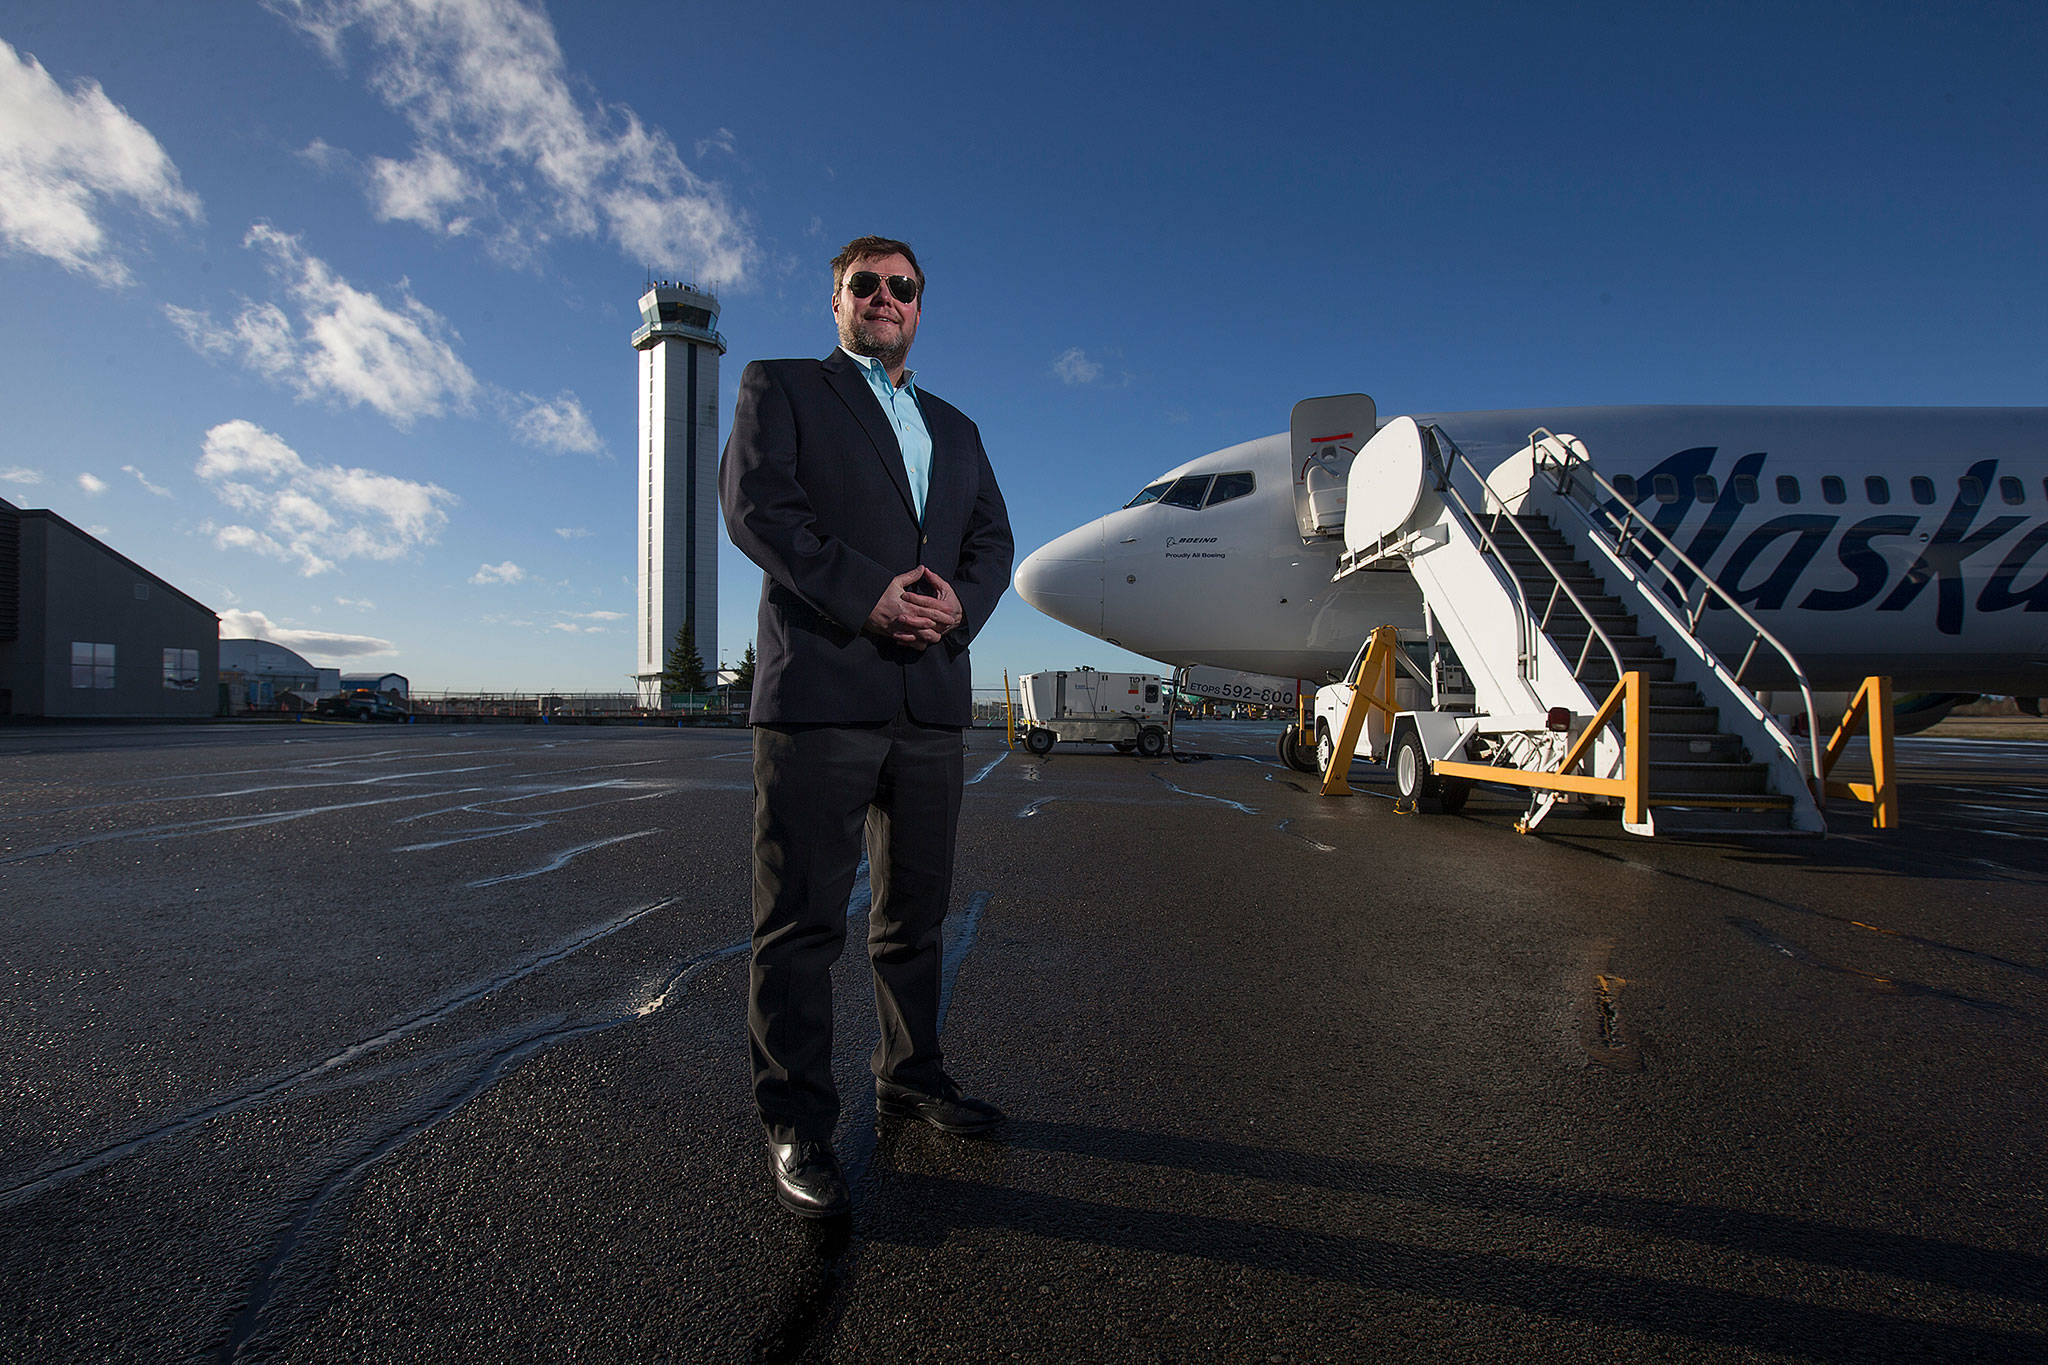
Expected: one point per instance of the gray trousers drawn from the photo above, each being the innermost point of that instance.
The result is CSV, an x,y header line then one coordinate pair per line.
x,y
816,789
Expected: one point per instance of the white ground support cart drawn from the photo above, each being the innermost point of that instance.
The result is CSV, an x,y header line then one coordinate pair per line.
x,y
1127,710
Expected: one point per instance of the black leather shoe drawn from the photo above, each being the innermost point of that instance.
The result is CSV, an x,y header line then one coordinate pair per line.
x,y
808,1181
949,1112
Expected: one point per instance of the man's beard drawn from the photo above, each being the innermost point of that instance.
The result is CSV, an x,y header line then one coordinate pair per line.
x,y
857,338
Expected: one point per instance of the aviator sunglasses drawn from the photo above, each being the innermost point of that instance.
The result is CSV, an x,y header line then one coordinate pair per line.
x,y
862,283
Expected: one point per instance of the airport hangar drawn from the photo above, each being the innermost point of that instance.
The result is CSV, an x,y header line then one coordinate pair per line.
x,y
86,632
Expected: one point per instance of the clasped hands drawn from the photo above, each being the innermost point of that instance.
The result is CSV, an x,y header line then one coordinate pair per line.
x,y
917,610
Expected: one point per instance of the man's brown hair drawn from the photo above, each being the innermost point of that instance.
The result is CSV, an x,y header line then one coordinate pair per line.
x,y
861,248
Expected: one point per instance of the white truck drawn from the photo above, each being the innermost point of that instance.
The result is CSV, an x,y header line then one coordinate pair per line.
x,y
1127,710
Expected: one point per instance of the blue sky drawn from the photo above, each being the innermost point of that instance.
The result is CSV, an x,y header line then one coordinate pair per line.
x,y
321,310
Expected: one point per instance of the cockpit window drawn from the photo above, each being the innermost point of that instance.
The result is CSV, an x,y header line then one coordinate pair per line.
x,y
1150,493
1187,491
1228,486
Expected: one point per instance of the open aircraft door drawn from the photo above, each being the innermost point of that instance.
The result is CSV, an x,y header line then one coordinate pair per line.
x,y
1324,434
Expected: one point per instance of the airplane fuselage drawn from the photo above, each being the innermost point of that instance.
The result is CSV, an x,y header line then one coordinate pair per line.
x,y
1906,541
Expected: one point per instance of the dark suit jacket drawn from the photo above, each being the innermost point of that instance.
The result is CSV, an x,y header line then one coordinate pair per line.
x,y
814,491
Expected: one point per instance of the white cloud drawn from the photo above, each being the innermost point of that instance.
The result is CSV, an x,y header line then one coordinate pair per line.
x,y
504,147
720,141
561,426
508,572
66,159
311,513
347,345
92,484
424,190
323,647
355,603
1074,367
143,479
565,532
25,476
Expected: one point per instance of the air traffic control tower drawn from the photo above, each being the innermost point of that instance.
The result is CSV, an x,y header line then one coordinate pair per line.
x,y
679,347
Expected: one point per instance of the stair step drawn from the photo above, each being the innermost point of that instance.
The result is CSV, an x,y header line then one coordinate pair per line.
x,y
1670,747
1600,675
1603,606
1569,641
1684,820
1695,782
1722,801
1561,557
1683,720
1536,580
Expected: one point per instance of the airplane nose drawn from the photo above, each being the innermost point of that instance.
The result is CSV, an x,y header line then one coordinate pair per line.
x,y
1063,578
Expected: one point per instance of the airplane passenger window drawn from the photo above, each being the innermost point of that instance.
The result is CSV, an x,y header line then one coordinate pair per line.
x,y
2012,490
1703,487
1832,489
1877,490
1788,488
1187,491
1970,491
1923,490
1149,493
1625,484
1230,486
1667,487
1745,488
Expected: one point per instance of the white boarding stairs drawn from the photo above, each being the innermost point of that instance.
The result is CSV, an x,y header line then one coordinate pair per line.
x,y
1529,575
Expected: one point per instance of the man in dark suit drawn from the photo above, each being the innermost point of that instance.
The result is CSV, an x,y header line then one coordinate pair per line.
x,y
884,545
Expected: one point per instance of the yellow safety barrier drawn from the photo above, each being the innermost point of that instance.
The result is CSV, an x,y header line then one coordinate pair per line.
x,y
1632,696
1871,708
1377,663
1009,713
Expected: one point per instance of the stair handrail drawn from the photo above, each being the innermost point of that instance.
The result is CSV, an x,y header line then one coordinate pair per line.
x,y
1561,463
1435,440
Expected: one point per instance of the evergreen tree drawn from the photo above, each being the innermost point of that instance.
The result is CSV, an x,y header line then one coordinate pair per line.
x,y
743,676
684,671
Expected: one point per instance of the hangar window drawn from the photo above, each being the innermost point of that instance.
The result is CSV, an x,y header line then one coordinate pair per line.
x,y
2012,490
1187,491
1876,489
1923,490
1667,487
1704,488
1832,489
1788,488
1970,491
181,670
1744,487
1230,486
92,665
1625,484
1149,493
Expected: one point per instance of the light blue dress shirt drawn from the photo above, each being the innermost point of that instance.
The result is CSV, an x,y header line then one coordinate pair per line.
x,y
912,437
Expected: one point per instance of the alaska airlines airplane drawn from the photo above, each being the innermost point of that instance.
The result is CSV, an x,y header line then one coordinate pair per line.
x,y
1904,541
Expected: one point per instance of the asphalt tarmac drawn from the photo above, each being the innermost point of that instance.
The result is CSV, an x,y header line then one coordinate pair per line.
x,y
333,1042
